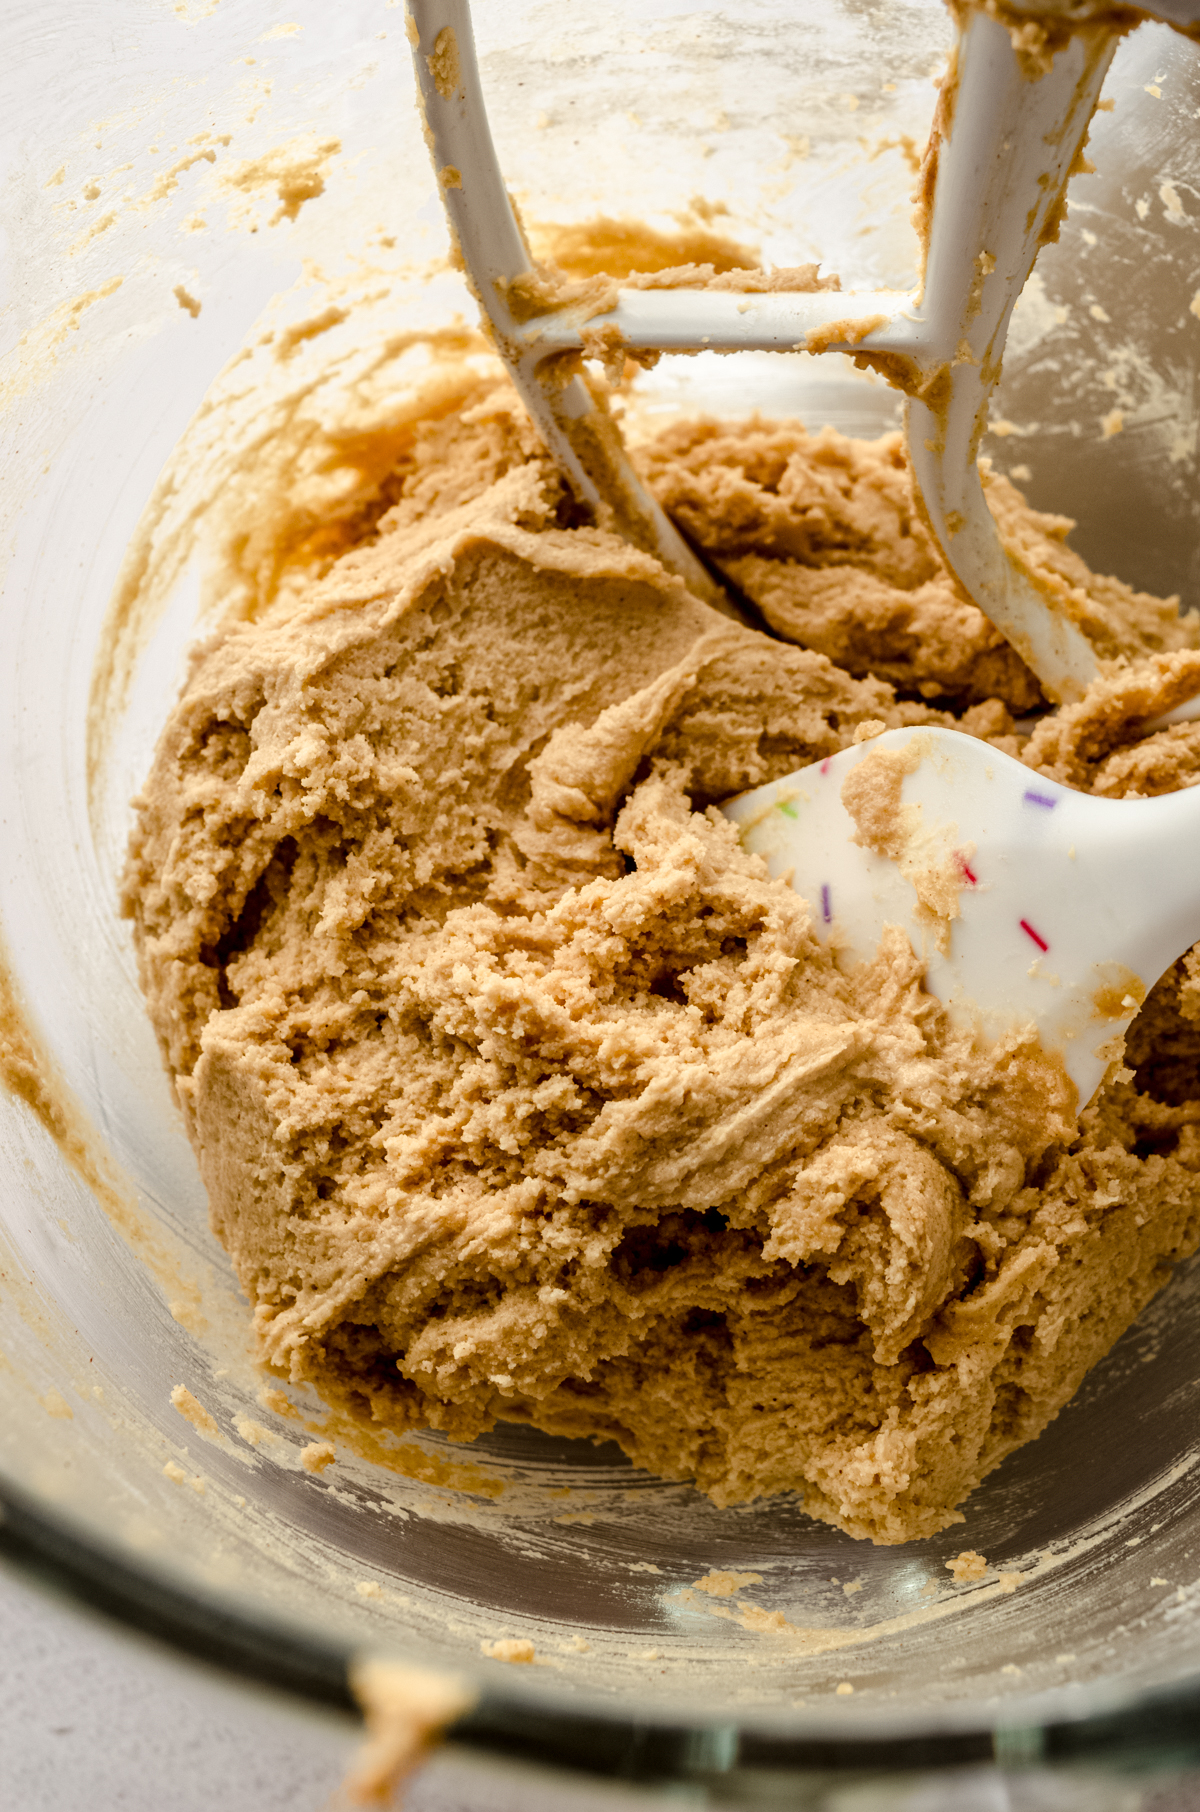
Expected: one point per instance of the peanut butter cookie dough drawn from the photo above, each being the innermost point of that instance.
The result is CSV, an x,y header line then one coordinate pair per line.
x,y
518,1089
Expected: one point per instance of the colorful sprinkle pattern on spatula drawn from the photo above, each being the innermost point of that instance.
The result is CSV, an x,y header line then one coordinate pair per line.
x,y
1037,937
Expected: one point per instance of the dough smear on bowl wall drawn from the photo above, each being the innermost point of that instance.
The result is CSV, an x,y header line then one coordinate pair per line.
x,y
521,1093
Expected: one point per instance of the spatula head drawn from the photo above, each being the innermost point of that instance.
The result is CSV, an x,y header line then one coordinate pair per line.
x,y
1000,879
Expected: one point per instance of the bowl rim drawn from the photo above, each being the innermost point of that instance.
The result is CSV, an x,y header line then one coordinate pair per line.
x,y
1138,1731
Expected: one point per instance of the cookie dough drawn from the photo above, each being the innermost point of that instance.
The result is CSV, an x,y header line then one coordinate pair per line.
x,y
521,1093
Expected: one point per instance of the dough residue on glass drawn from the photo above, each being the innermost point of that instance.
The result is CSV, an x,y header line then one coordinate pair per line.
x,y
521,1093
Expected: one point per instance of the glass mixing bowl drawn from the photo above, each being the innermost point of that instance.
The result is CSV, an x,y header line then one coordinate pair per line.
x,y
180,183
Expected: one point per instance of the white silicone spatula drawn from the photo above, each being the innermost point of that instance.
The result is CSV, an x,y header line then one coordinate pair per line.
x,y
1033,905
1004,143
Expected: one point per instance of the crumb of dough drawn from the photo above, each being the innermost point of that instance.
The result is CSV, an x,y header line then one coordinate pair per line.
x,y
843,1689
444,64
517,1649
278,1404
521,1093
369,1588
296,171
186,301
194,1412
1008,1582
174,1472
407,1710
188,1315
317,1456
724,1585
967,1566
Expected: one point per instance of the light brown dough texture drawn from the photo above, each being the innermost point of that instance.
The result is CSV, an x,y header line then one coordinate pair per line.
x,y
520,1091
825,541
